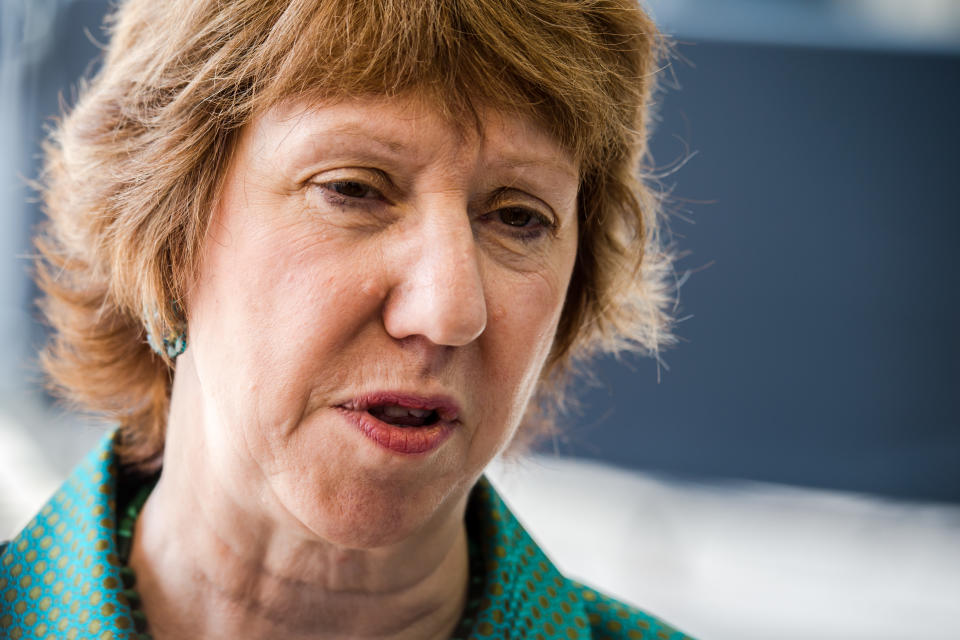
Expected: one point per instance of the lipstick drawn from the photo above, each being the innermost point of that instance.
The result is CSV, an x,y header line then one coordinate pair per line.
x,y
401,422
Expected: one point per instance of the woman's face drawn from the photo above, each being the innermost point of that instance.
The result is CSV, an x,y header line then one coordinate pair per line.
x,y
378,294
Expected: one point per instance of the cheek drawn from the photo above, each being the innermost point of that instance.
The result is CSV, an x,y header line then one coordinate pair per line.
x,y
522,319
273,316
526,306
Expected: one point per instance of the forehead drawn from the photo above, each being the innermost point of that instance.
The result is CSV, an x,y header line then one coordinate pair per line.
x,y
407,126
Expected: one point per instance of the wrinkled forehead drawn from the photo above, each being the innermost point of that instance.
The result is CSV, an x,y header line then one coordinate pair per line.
x,y
405,122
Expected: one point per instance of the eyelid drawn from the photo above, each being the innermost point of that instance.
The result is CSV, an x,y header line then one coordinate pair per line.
x,y
506,198
373,178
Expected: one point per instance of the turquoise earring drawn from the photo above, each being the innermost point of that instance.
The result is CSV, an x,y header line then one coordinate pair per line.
x,y
174,341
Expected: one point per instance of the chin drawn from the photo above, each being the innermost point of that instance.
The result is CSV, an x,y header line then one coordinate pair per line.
x,y
366,516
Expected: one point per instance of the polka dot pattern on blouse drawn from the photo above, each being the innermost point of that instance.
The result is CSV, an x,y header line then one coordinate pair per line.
x,y
60,577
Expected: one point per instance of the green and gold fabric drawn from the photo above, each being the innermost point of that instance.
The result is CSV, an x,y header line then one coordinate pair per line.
x,y
61,576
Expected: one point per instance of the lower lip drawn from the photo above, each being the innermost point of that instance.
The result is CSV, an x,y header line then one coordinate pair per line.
x,y
409,440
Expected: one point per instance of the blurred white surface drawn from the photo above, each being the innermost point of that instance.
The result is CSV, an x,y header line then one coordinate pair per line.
x,y
722,562
38,449
26,479
746,561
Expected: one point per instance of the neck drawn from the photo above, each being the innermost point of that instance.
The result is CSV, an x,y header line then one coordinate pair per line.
x,y
210,566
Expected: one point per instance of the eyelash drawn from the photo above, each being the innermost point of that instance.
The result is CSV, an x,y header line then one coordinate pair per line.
x,y
526,234
542,226
341,199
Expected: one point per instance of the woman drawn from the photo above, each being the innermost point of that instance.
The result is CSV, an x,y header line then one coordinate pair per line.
x,y
321,262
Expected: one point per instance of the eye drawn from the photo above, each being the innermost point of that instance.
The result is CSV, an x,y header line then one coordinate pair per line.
x,y
352,189
516,217
523,223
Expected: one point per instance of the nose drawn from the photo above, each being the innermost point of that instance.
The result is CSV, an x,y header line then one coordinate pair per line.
x,y
438,290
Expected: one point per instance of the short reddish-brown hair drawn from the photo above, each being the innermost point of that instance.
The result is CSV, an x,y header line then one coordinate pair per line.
x,y
133,171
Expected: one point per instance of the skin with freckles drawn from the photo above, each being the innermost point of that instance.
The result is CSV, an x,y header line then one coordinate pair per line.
x,y
358,247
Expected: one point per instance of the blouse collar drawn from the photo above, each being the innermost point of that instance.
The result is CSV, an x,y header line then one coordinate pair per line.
x,y
62,572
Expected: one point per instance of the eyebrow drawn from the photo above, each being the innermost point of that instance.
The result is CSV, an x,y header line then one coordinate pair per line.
x,y
357,130
351,140
547,162
396,147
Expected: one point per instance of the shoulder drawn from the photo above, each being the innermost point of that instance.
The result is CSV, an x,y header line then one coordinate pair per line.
x,y
60,576
611,619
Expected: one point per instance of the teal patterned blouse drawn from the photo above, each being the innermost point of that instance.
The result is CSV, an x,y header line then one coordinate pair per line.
x,y
60,577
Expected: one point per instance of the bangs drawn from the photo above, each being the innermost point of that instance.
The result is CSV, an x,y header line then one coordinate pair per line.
x,y
458,56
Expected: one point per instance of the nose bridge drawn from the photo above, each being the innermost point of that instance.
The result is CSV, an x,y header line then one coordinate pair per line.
x,y
441,294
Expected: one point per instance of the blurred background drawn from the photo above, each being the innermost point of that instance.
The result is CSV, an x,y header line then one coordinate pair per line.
x,y
792,469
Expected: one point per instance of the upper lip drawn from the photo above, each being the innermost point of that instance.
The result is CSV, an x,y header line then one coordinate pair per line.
x,y
446,407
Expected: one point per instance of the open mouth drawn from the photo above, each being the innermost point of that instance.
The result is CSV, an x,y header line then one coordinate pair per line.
x,y
405,423
400,410
400,416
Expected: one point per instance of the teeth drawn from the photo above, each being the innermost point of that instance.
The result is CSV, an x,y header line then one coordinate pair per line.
x,y
394,411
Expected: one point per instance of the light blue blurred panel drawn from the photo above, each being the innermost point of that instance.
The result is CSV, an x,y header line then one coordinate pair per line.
x,y
26,31
917,25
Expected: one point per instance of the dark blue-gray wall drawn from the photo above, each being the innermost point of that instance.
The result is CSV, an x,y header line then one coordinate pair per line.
x,y
823,345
